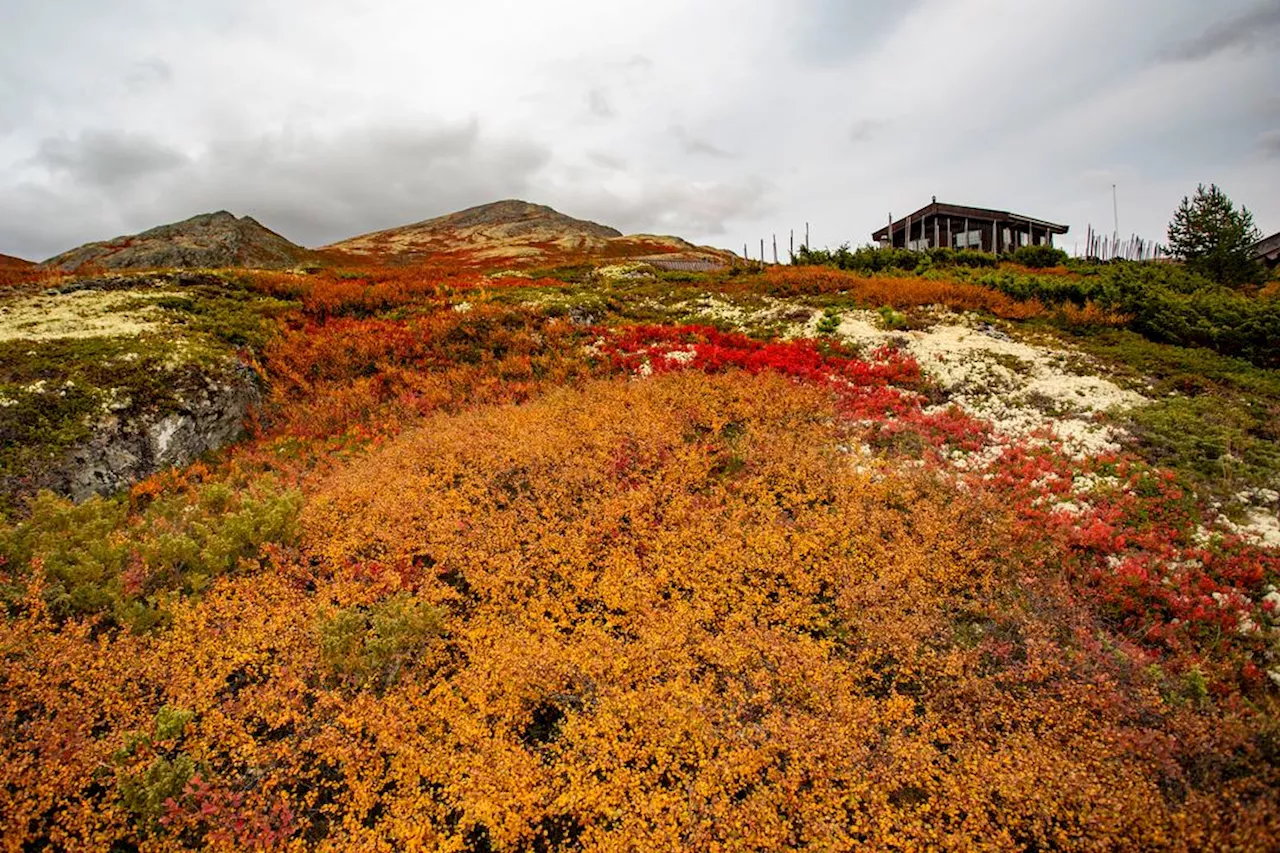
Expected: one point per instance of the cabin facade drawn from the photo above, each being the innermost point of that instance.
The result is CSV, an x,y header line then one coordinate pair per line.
x,y
1267,251
938,225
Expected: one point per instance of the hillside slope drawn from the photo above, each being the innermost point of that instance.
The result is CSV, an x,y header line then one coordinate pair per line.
x,y
209,240
501,229
769,558
514,231
8,262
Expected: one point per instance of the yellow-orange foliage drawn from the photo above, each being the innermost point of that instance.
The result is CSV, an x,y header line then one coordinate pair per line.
x,y
903,292
678,614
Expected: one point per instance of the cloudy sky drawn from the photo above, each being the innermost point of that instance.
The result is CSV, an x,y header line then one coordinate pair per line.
x,y
721,122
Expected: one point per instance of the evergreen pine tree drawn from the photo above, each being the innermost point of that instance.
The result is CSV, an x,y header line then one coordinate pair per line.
x,y
1214,239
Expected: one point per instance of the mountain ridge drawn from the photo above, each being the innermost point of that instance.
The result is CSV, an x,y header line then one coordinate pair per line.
x,y
218,239
497,234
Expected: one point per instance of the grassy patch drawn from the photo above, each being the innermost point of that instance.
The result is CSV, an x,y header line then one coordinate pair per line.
x,y
1214,418
52,392
1223,445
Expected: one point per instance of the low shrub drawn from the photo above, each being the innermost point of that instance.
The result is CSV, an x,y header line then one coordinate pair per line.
x,y
102,558
370,646
871,259
1039,257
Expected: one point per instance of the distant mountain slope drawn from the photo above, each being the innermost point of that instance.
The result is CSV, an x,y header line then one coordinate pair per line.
x,y
208,240
9,262
498,230
513,231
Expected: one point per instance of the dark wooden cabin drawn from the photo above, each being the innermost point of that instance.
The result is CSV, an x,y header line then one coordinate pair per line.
x,y
1268,251
979,228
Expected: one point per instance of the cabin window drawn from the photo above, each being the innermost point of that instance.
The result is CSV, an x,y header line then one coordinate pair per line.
x,y
967,240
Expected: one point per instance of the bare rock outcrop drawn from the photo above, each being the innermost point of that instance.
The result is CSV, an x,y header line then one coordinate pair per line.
x,y
122,450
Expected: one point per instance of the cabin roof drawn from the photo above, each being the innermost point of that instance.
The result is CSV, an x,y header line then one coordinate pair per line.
x,y
1268,248
959,211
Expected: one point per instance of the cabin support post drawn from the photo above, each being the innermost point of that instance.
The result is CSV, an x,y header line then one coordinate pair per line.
x,y
935,231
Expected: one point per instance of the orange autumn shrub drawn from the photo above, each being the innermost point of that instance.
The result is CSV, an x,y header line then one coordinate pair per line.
x,y
903,292
329,376
527,608
1092,315
671,614
367,289
22,278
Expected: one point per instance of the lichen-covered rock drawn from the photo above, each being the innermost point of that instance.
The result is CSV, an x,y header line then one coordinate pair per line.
x,y
125,449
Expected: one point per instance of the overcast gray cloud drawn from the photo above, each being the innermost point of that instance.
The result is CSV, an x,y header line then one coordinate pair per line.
x,y
1256,27
864,129
326,119
1270,143
146,73
598,104
106,158
691,144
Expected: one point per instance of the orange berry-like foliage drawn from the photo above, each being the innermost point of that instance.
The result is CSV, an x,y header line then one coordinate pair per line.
x,y
914,291
672,614
476,584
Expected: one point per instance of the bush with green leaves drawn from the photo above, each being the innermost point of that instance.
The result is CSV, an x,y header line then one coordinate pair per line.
x,y
103,558
830,321
893,320
1167,303
872,259
370,646
144,790
1039,257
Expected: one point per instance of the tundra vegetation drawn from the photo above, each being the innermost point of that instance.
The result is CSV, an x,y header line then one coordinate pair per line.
x,y
563,560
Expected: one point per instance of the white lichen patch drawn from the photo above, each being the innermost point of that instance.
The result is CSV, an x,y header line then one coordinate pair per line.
x,y
1026,391
82,314
1259,526
711,309
623,272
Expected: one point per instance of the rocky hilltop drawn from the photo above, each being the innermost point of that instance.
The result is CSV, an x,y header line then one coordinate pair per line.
x,y
502,229
514,231
210,240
